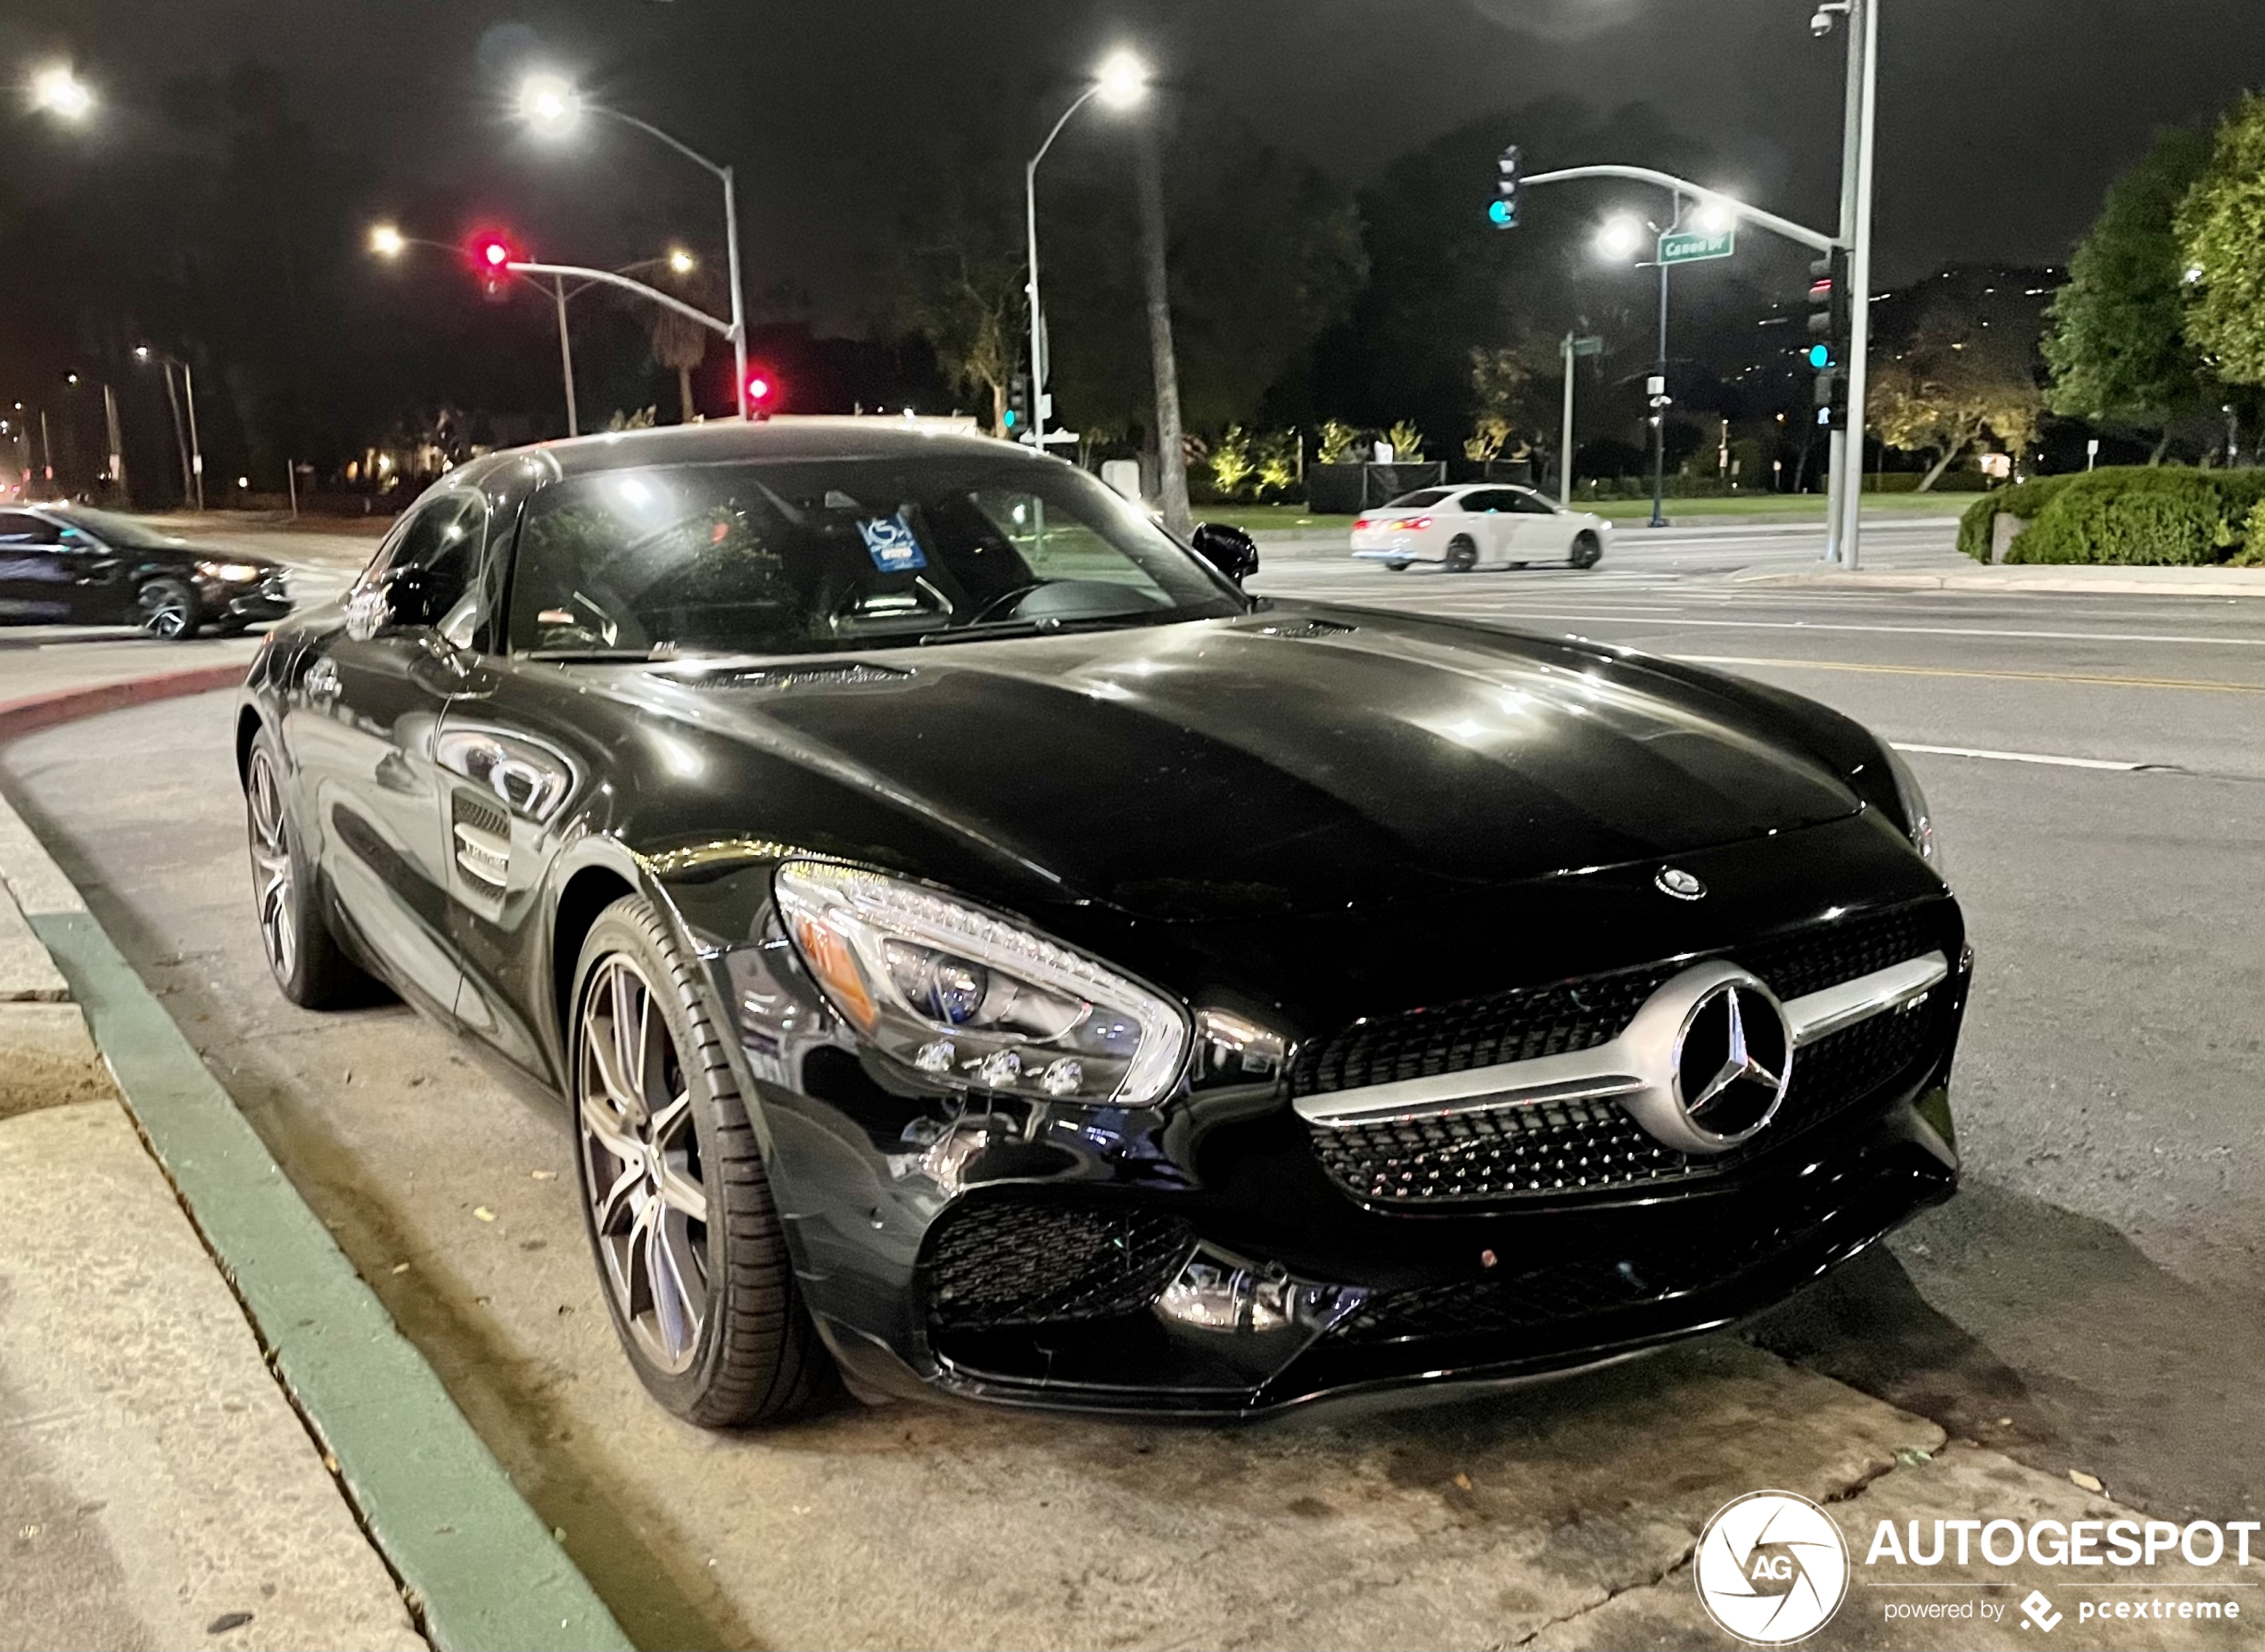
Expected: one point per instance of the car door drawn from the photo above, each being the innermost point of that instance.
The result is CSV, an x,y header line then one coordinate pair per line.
x,y
35,572
365,715
1544,533
1493,523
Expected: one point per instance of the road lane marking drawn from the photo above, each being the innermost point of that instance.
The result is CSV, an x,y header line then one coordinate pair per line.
x,y
2028,757
1917,630
2010,677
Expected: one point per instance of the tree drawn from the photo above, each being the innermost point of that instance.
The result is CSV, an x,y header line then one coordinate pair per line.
x,y
1503,382
680,343
2221,228
1944,395
2117,346
962,287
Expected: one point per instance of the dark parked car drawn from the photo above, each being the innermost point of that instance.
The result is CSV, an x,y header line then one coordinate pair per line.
x,y
68,564
985,952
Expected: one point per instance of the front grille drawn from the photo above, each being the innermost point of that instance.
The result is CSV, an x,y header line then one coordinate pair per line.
x,y
1019,1263
1633,1272
1479,1032
1557,1148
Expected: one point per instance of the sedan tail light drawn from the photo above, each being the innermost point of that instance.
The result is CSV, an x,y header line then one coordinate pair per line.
x,y
1413,524
1361,524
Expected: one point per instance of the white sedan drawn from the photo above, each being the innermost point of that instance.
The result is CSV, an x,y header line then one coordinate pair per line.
x,y
1490,526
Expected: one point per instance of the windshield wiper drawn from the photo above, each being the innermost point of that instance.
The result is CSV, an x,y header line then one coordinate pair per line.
x,y
993,630
591,656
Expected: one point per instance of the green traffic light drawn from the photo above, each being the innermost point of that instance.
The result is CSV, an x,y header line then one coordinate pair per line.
x,y
1820,355
1503,214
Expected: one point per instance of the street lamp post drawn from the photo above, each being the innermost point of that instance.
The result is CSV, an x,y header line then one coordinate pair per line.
x,y
550,103
192,458
1121,83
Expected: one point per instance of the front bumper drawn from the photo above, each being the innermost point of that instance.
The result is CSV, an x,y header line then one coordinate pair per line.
x,y
240,603
1201,1257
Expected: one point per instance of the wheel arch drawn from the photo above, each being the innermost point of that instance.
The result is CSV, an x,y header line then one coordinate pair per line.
x,y
588,889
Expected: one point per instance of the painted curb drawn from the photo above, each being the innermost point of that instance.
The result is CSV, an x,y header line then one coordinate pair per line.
x,y
481,1569
37,712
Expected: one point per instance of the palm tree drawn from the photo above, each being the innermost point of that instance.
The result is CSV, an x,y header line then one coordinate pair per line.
x,y
680,343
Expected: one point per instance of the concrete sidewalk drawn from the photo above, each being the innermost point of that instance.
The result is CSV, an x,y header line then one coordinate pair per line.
x,y
156,1486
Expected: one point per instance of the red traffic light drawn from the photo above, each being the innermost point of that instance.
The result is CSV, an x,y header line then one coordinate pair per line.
x,y
759,388
491,251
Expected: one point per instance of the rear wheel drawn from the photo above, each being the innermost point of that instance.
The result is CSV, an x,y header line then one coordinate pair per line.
x,y
1586,551
303,955
1462,554
169,610
678,1204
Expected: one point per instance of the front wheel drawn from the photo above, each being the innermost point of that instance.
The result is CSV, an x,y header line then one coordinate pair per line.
x,y
675,1197
169,610
1395,567
303,955
1587,551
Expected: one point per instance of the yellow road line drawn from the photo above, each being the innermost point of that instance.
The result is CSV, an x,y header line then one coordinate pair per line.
x,y
2003,677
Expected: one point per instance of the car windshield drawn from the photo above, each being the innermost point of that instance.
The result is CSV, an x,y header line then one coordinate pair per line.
x,y
122,532
1420,500
816,556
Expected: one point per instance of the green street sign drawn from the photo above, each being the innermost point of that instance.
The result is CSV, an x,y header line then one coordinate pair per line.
x,y
1588,345
1691,246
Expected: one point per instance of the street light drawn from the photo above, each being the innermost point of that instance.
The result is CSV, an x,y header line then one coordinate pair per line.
x,y
1120,82
1715,217
1619,237
680,262
387,241
551,104
59,91
192,453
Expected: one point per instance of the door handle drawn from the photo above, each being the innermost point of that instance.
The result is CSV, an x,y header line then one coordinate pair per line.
x,y
321,681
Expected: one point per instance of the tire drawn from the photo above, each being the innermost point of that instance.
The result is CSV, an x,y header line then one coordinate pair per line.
x,y
1397,567
707,1310
169,610
1462,555
308,964
1586,552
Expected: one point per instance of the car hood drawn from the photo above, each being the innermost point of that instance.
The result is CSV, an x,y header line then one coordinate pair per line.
x,y
1294,761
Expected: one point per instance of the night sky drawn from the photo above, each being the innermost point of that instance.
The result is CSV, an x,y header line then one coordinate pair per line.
x,y
2003,120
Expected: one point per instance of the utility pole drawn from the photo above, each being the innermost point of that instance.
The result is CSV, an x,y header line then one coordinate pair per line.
x,y
1852,137
1659,398
1172,459
116,439
196,448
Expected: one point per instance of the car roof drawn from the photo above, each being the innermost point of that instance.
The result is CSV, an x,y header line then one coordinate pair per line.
x,y
723,440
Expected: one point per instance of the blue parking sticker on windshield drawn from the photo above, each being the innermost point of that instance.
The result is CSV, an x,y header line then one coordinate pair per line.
x,y
891,542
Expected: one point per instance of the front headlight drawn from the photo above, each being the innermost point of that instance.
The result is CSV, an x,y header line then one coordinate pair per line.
x,y
1920,818
232,573
970,999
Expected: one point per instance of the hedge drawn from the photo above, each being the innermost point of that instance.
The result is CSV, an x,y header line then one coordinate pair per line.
x,y
2167,516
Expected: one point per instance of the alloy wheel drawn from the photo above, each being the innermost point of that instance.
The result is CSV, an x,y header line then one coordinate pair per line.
x,y
166,618
641,1165
273,881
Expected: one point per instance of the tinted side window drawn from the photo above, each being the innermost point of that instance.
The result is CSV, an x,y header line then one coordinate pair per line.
x,y
18,528
1494,499
1530,505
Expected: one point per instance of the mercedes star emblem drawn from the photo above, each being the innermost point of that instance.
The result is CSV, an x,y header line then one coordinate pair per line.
x,y
1677,881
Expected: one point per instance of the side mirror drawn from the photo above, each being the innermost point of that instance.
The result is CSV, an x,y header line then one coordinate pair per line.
x,y
1230,550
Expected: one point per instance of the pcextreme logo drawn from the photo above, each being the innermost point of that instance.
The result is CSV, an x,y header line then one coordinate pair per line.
x,y
1771,1568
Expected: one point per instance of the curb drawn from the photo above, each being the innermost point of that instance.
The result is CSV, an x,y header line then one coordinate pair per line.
x,y
475,1562
64,706
2060,581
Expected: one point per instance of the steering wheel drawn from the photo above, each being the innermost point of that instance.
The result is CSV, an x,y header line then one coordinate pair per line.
x,y
1007,600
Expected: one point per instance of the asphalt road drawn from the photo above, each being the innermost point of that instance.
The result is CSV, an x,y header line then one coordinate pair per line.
x,y
2091,1301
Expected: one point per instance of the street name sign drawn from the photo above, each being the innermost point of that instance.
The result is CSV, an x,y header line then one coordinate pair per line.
x,y
1691,246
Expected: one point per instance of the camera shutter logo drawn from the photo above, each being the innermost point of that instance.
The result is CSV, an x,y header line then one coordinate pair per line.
x,y
1771,1568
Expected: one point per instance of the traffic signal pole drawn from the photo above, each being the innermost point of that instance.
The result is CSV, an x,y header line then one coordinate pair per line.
x,y
1851,133
1864,29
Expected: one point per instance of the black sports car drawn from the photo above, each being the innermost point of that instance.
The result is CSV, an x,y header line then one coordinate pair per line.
x,y
985,952
70,564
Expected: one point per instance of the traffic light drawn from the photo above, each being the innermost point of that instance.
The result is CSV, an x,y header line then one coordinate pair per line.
x,y
763,393
1510,171
1828,328
1017,403
492,253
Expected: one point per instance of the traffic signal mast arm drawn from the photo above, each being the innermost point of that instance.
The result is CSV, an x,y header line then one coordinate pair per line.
x,y
1696,192
627,282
